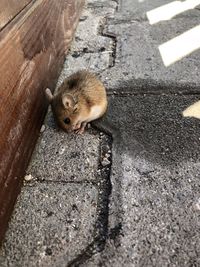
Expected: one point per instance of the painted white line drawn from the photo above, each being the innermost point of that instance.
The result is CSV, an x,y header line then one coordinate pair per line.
x,y
193,110
180,46
168,11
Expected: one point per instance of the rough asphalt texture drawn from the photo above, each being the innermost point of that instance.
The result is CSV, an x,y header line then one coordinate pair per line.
x,y
78,209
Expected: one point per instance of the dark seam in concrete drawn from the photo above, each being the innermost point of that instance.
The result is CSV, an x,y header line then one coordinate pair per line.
x,y
128,21
104,185
119,4
102,32
79,53
40,181
101,225
139,86
113,54
115,231
126,94
145,173
144,19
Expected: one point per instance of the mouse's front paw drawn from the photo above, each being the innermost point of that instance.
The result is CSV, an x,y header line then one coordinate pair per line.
x,y
76,126
81,129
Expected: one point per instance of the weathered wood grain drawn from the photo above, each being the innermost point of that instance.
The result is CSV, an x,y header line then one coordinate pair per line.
x,y
32,49
9,9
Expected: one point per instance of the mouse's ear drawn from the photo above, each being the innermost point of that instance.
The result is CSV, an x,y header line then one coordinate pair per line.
x,y
68,101
49,95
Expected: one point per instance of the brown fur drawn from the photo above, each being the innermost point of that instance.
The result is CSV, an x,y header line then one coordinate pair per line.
x,y
87,91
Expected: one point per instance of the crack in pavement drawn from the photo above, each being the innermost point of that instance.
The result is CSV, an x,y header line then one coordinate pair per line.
x,y
101,227
104,191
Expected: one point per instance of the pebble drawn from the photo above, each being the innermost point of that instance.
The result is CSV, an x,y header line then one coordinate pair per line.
x,y
42,128
105,162
107,155
87,161
128,169
61,150
28,177
197,205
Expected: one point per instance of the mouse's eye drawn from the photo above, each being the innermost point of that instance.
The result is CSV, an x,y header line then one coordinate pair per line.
x,y
66,120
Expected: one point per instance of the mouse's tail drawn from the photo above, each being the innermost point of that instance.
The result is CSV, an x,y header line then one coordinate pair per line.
x,y
103,124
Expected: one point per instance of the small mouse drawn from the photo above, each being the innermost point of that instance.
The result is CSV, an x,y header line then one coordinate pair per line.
x,y
80,99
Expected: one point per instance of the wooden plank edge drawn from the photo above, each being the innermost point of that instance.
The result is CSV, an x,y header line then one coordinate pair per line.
x,y
26,152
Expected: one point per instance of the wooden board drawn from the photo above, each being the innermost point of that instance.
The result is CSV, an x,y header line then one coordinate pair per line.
x,y
32,49
9,9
